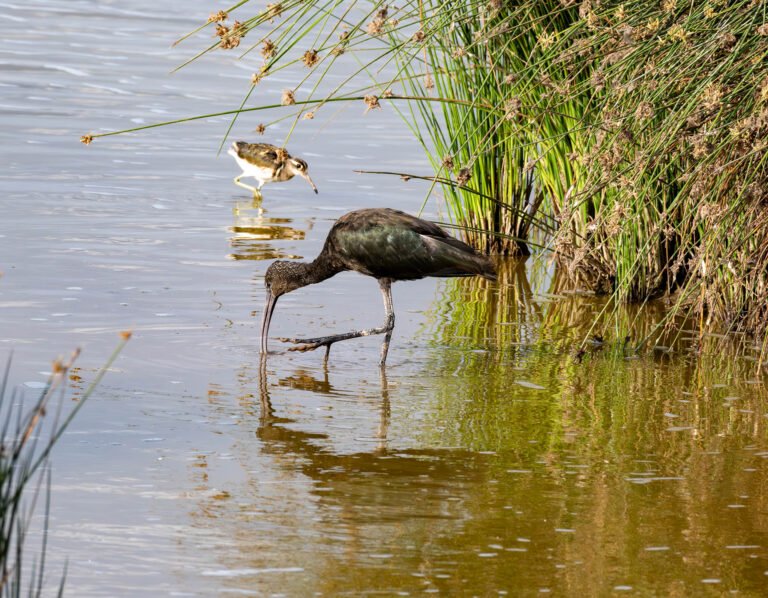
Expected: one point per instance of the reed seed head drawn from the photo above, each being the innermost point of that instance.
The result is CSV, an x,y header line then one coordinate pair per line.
x,y
651,27
217,17
463,176
513,109
372,103
727,41
546,39
700,145
597,79
230,38
677,33
763,92
374,27
86,139
712,96
257,77
268,49
287,98
644,111
259,130
310,58
274,11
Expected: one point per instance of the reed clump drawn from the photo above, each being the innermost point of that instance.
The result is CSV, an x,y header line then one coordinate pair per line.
x,y
28,434
677,184
628,138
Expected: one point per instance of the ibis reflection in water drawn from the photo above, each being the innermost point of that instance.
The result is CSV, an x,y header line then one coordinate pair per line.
x,y
267,164
386,244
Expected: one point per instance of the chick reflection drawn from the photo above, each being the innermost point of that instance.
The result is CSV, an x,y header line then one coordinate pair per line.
x,y
251,229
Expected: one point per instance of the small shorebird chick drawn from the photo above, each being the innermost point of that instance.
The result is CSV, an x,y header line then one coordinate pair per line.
x,y
267,164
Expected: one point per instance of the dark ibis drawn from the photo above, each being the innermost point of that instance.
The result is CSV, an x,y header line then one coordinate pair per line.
x,y
267,164
386,244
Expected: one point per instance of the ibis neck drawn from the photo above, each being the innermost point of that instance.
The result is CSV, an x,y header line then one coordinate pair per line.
x,y
316,271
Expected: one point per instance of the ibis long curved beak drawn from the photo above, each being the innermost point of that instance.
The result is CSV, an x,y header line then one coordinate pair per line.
x,y
309,180
266,319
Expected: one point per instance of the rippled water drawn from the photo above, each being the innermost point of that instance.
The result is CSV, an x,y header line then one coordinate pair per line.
x,y
488,460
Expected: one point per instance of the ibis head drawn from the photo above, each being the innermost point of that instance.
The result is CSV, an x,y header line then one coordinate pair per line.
x,y
283,277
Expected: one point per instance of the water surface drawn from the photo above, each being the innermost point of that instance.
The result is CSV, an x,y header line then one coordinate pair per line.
x,y
489,458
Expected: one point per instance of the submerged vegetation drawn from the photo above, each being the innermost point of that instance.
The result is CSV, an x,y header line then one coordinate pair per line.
x,y
627,138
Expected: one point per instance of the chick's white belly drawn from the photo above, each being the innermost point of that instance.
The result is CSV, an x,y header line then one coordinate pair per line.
x,y
258,172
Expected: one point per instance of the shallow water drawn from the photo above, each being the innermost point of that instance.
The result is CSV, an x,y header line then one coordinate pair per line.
x,y
487,460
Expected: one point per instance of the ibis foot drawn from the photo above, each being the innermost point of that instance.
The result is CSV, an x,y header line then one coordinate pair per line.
x,y
310,344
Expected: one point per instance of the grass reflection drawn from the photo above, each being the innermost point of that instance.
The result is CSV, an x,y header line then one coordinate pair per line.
x,y
502,462
634,472
511,360
630,455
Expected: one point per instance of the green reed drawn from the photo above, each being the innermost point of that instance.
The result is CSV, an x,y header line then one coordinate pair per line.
x,y
26,443
677,177
518,154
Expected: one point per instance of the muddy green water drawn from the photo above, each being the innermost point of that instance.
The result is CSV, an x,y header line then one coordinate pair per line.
x,y
485,461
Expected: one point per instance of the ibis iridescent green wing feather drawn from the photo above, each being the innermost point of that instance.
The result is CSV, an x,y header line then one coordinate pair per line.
x,y
387,243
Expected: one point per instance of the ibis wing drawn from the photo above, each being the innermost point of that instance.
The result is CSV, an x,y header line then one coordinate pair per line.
x,y
402,247
451,257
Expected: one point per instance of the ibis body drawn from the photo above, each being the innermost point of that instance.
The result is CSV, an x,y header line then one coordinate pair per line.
x,y
386,244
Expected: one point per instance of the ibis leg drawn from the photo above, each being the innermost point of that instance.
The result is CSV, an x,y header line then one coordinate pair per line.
x,y
310,344
327,353
389,324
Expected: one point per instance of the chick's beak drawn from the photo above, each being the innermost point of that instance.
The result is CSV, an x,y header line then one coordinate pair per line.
x,y
309,180
268,309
